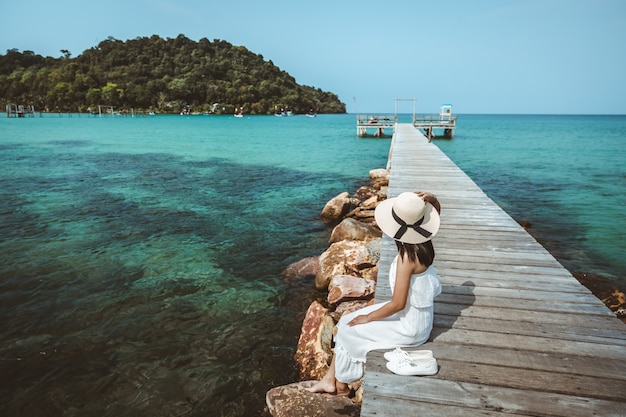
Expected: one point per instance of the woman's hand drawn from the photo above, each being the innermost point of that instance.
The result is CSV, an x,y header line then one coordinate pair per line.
x,y
362,319
429,198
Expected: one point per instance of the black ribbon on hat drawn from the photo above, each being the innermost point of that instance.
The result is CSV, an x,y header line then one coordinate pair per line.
x,y
404,227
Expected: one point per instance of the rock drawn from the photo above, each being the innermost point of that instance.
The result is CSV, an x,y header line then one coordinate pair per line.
x,y
336,208
364,216
349,306
314,353
354,202
344,287
294,401
303,268
370,203
370,273
379,173
347,257
353,229
379,184
373,248
366,192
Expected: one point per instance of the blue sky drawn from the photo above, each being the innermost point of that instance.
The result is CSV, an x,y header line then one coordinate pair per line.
x,y
483,56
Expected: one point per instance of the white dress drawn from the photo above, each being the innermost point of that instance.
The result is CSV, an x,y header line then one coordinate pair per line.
x,y
409,327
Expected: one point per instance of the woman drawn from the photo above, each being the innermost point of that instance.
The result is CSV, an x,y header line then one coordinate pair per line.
x,y
412,220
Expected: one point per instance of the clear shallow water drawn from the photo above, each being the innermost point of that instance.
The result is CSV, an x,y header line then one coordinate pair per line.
x,y
140,259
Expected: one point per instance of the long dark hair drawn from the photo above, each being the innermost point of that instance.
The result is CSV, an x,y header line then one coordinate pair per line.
x,y
424,253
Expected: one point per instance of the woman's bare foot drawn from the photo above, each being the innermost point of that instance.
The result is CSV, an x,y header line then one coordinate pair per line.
x,y
322,387
336,394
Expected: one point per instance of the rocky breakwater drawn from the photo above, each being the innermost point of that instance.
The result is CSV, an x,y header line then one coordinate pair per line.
x,y
345,274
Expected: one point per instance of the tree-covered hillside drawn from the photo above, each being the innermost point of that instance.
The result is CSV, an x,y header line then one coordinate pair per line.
x,y
156,74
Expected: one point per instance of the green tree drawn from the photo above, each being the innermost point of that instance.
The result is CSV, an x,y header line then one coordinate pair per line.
x,y
112,94
157,74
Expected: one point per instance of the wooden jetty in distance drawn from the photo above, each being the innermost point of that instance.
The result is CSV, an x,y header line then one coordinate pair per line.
x,y
515,334
380,126
108,108
375,125
430,125
433,126
19,110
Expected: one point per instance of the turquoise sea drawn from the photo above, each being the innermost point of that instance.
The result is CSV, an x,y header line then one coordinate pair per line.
x,y
141,258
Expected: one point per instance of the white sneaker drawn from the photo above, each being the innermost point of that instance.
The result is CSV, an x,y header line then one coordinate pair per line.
x,y
426,366
398,355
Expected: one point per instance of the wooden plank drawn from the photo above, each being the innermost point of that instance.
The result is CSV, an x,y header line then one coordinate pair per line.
x,y
408,393
557,377
579,331
518,315
547,276
514,332
392,407
543,293
512,303
530,343
553,362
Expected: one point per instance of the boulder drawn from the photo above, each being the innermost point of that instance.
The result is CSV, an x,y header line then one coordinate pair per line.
x,y
353,229
364,216
349,306
373,248
303,268
381,184
314,353
370,203
354,202
365,192
379,173
370,273
294,401
347,257
344,287
336,208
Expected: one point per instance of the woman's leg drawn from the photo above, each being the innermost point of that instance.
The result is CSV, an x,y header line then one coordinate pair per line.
x,y
329,384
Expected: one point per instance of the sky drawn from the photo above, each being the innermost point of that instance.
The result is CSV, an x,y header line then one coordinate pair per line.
x,y
481,56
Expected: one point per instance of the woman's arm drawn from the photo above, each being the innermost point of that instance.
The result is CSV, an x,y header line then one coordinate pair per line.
x,y
400,296
430,198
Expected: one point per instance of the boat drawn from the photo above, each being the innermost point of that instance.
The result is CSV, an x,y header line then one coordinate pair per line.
x,y
283,113
239,113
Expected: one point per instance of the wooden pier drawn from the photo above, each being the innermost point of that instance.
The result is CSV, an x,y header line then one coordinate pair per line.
x,y
375,125
19,110
437,126
515,333
433,126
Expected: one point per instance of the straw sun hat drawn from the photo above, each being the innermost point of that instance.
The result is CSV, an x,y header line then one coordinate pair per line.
x,y
407,218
